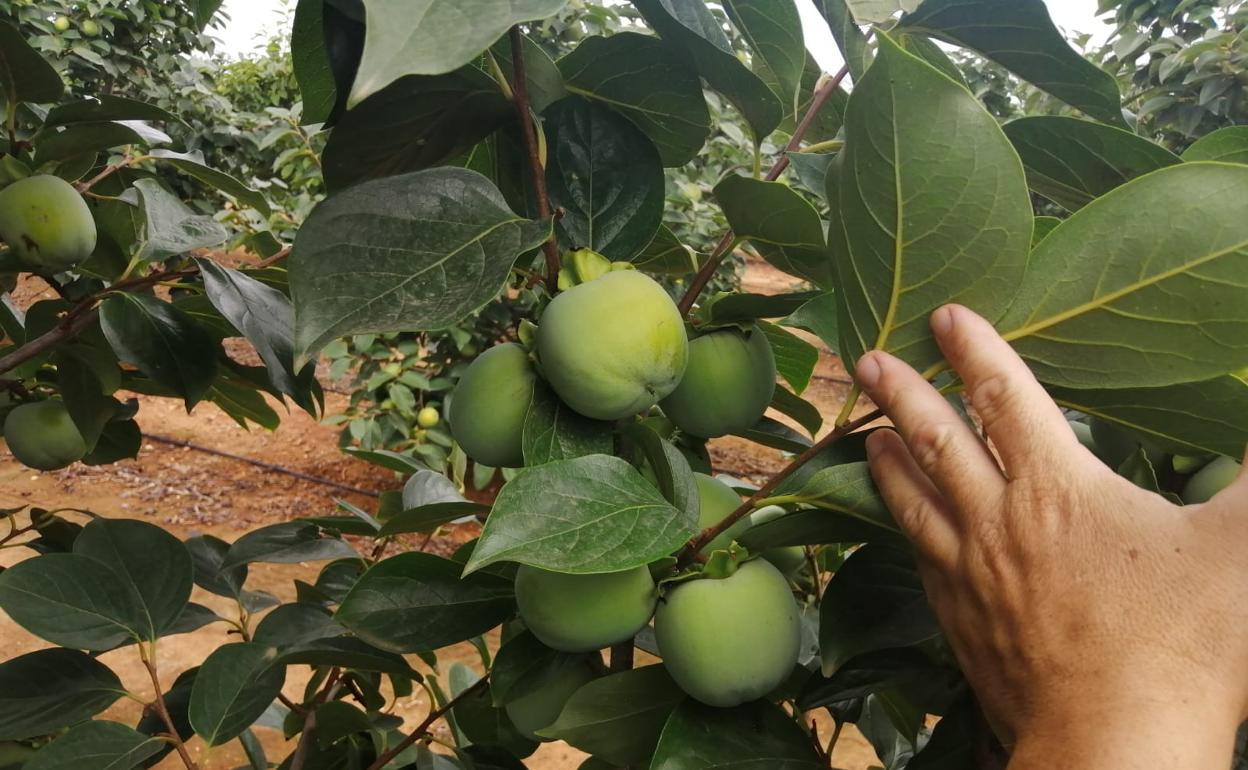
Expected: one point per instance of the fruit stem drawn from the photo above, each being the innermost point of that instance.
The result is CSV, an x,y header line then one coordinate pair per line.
x,y
537,173
423,727
725,244
695,545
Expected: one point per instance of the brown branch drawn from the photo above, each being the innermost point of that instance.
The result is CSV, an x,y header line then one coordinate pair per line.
x,y
84,187
622,656
163,710
710,533
524,111
713,262
423,728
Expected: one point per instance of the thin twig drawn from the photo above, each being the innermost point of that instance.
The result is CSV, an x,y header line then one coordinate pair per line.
x,y
713,262
300,757
162,709
710,533
424,726
536,171
108,171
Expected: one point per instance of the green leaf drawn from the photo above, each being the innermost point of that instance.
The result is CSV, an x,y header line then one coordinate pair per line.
x,y
875,601
905,669
849,37
1189,418
755,736
1044,226
931,207
553,431
1229,145
619,717
346,652
74,601
795,358
427,518
828,119
24,75
427,488
290,542
100,108
83,392
415,123
689,28
298,623
417,602
803,412
733,308
193,164
876,11
1020,36
162,341
523,665
812,170
45,690
1072,162
666,255
954,742
591,515
777,435
819,316
782,225
154,565
773,30
205,10
418,251
1152,279
649,84
432,37
96,746
542,75
80,138
311,63
672,475
234,686
848,490
207,555
121,440
170,227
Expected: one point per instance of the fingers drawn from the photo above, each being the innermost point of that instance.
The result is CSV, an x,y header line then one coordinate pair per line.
x,y
913,499
1025,426
937,438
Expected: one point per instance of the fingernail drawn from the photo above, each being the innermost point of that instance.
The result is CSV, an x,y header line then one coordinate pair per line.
x,y
942,320
868,372
874,444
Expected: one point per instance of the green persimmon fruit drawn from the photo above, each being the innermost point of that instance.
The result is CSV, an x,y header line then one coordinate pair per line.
x,y
614,346
731,640
428,417
489,404
727,386
582,613
540,708
43,436
90,28
787,559
715,501
61,23
1210,480
46,222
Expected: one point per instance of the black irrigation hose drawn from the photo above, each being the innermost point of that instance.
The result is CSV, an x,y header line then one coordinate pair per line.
x,y
261,464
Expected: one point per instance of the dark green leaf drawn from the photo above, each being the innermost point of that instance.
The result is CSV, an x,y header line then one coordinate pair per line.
x,y
207,555
849,37
346,652
121,440
290,542
953,742
24,75
254,750
311,62
162,341
805,413
193,164
542,75
773,30
932,207
427,518
74,601
905,669
523,665
552,431
776,435
80,138
84,394
733,308
171,228
666,255
1228,145
485,724
96,746
234,686
779,223
1020,36
294,624
795,358
399,463
1044,226
43,691
606,176
1072,162
244,404
812,170
672,475
590,515
649,83
418,251
819,316
417,602
97,108
755,736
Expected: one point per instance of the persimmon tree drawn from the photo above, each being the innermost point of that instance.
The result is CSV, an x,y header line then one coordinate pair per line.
x,y
651,614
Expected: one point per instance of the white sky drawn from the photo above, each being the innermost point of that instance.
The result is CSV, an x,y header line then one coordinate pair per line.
x,y
253,21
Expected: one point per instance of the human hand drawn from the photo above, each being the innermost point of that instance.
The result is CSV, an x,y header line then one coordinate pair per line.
x,y
1080,606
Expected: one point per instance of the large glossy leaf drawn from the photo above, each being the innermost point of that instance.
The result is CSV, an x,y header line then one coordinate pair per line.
x,y
553,431
666,255
542,75
74,601
1142,288
151,562
619,717
773,30
1020,36
290,542
688,26
234,686
1229,145
193,164
208,553
590,515
1189,418
904,669
755,736
849,37
606,176
414,123
346,652
97,108
418,251
875,11
847,491
311,62
523,665
24,75
795,357
1072,162
163,342
819,316
432,37
930,207
96,746
43,691
875,601
417,602
170,227
782,225
647,82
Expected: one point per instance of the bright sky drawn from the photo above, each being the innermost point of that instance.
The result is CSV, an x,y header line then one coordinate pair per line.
x,y
253,21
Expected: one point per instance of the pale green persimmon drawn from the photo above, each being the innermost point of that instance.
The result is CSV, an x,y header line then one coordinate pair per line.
x,y
43,436
715,501
428,417
731,640
489,404
582,613
614,346
788,559
727,386
540,708
46,222
1210,480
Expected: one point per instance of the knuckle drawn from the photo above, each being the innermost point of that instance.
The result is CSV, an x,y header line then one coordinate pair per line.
x,y
933,444
993,397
